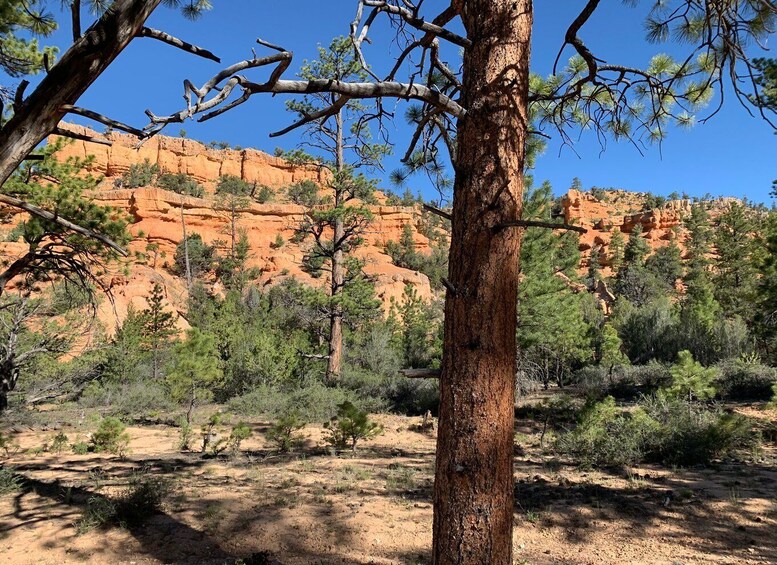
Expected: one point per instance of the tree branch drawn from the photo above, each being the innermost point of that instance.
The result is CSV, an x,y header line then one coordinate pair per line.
x,y
179,43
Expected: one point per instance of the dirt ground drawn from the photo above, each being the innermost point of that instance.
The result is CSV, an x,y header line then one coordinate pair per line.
x,y
374,506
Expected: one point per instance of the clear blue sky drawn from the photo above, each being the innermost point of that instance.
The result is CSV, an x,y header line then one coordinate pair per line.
x,y
733,154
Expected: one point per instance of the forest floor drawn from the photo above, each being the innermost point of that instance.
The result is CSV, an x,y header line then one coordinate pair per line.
x,y
373,506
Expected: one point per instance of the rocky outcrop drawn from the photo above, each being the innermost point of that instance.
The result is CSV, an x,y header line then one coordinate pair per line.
x,y
155,217
621,210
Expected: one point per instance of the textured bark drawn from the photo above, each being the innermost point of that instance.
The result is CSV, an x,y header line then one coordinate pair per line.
x,y
473,498
79,67
335,360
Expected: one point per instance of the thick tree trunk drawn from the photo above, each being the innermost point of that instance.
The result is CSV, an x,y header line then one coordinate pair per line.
x,y
473,498
78,68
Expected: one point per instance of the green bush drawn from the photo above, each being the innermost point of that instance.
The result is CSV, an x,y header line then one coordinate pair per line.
x,y
139,175
282,432
181,183
304,193
607,436
740,380
132,399
314,402
624,381
142,498
264,195
694,434
110,437
660,429
80,448
9,481
230,184
349,426
59,442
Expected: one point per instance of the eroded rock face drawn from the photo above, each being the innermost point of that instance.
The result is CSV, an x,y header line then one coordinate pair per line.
x,y
156,221
622,210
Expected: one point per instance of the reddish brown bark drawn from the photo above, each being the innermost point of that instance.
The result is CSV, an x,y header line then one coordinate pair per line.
x,y
79,67
473,496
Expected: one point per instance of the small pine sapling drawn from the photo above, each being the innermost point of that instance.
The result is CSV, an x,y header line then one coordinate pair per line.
x,y
282,432
349,426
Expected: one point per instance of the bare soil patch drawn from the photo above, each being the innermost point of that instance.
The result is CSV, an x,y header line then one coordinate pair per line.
x,y
374,506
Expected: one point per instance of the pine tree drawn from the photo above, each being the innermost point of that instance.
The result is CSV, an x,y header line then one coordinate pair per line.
x,y
336,229
194,370
552,332
617,244
637,248
158,327
666,264
690,379
611,349
735,272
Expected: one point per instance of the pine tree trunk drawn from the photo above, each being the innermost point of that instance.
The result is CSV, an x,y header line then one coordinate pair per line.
x,y
335,359
473,498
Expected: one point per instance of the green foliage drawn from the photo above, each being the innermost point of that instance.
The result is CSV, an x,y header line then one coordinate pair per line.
x,y
743,379
158,327
53,251
264,195
349,426
235,186
553,333
611,348
282,432
10,482
735,269
201,256
670,431
690,379
180,183
404,254
194,369
666,265
139,175
133,506
110,437
419,330
21,23
304,193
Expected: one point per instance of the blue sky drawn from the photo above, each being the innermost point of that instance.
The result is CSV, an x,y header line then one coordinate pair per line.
x,y
733,154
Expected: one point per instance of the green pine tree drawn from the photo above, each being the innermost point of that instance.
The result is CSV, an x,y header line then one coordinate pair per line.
x,y
734,277
194,370
617,245
158,328
690,379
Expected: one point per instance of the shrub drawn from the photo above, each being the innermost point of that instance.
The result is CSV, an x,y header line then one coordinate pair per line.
x,y
661,429
626,382
9,481
80,448
740,380
110,437
230,184
59,442
185,436
264,194
139,501
349,426
304,193
139,175
201,255
132,399
180,183
240,432
694,434
282,432
606,436
690,379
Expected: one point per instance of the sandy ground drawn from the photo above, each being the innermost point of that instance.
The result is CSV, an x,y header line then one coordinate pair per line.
x,y
374,506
